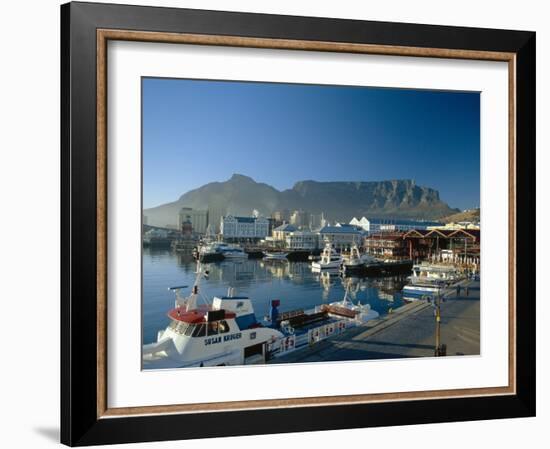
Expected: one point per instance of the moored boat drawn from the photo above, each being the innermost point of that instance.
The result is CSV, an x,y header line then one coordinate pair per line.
x,y
330,259
361,312
226,331
216,251
434,272
209,252
388,267
423,289
355,262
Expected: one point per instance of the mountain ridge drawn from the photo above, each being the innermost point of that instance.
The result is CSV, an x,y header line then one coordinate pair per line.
x,y
338,200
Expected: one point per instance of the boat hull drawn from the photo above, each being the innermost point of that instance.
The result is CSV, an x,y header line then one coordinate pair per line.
x,y
383,268
235,256
421,290
275,256
211,257
326,266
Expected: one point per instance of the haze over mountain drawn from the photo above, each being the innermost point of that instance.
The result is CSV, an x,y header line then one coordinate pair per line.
x,y
340,201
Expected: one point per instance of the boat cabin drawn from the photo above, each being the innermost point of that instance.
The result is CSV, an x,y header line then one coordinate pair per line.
x,y
201,322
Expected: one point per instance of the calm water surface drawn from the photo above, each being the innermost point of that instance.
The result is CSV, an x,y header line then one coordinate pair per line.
x,y
292,282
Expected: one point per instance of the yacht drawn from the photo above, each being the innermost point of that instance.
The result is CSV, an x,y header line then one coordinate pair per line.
x,y
419,289
209,252
214,251
433,272
330,259
356,262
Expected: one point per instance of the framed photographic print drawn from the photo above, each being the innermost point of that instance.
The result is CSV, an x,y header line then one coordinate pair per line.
x,y
274,224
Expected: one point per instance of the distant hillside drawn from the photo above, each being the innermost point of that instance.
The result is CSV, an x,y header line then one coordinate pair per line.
x,y
469,215
338,200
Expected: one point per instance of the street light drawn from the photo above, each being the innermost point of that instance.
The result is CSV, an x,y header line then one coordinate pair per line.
x,y
440,349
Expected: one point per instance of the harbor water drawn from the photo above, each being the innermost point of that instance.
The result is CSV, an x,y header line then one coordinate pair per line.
x,y
293,283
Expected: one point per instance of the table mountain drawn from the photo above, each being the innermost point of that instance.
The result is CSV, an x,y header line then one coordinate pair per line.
x,y
338,200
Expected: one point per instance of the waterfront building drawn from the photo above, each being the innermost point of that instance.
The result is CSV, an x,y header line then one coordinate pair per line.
x,y
244,228
422,244
215,215
376,225
280,233
186,229
272,225
456,226
300,218
317,221
387,245
341,236
198,219
302,240
281,216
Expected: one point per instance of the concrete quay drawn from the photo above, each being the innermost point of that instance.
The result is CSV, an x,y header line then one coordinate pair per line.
x,y
407,332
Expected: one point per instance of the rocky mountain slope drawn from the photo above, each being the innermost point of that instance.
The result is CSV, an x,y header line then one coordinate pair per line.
x,y
338,200
471,215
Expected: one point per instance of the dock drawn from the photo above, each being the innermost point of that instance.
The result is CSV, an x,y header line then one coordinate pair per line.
x,y
408,331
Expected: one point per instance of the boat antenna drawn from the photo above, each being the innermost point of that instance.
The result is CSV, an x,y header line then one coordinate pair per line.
x,y
200,273
346,293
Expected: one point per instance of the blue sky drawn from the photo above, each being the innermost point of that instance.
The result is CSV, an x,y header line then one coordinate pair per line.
x,y
196,131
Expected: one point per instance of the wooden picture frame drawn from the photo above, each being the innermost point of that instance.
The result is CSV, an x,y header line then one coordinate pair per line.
x,y
86,29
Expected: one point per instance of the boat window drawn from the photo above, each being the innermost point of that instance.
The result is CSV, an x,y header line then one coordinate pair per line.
x,y
181,328
178,326
223,327
213,328
189,330
200,330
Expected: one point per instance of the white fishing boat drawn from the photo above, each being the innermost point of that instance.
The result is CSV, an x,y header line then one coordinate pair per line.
x,y
355,261
330,259
426,272
210,251
423,288
362,312
223,332
227,332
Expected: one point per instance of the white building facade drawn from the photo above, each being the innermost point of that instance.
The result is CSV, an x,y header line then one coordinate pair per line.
x,y
215,214
300,219
304,240
280,233
341,236
244,227
375,225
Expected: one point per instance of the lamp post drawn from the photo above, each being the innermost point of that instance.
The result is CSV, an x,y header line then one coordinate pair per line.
x,y
438,326
440,349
